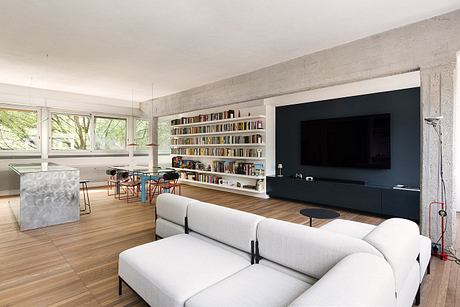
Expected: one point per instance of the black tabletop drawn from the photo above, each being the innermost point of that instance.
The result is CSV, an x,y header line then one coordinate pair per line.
x,y
319,213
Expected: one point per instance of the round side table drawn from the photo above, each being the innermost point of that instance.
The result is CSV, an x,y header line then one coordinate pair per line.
x,y
319,213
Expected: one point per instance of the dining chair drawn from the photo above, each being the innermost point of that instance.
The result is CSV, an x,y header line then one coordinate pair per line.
x,y
112,181
170,182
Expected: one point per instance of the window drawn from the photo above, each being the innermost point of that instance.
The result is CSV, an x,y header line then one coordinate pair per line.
x,y
141,133
164,142
164,134
69,132
110,133
18,130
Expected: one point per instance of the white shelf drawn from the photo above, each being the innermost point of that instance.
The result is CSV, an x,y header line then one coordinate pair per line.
x,y
219,145
221,186
242,132
227,120
218,173
259,113
220,157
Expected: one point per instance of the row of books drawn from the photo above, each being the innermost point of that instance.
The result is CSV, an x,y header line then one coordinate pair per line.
x,y
221,166
185,163
241,168
242,126
201,177
228,139
227,152
204,118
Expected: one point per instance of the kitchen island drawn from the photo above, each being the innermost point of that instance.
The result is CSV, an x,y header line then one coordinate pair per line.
x,y
49,195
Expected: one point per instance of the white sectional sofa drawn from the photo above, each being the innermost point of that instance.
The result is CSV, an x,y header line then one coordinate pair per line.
x,y
216,256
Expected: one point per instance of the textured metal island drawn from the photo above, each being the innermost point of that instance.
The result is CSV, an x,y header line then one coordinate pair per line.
x,y
49,195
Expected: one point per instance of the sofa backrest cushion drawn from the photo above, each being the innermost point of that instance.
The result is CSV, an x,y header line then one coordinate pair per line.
x,y
308,250
173,208
229,226
359,279
399,242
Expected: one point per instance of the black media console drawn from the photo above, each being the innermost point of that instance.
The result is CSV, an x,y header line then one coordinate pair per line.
x,y
353,195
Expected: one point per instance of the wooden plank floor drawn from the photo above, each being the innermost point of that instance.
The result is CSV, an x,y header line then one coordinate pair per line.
x,y
75,264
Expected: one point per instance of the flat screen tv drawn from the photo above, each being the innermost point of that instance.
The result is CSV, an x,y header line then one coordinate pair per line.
x,y
357,142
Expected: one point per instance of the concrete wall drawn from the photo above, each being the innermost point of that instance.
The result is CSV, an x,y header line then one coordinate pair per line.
x,y
429,46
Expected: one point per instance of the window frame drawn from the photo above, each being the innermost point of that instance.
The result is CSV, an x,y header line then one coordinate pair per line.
x,y
93,132
68,152
17,152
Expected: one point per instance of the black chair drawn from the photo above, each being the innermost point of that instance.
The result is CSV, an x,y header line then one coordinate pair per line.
x,y
170,182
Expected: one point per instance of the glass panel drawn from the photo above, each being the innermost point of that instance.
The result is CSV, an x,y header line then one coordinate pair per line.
x,y
142,133
164,142
69,132
164,134
110,133
18,130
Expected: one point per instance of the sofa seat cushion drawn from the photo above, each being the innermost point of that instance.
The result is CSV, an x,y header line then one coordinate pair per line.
x,y
229,248
169,271
297,275
350,228
359,279
164,228
257,285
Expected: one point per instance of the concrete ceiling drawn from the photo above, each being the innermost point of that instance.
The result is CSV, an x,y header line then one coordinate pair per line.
x,y
109,47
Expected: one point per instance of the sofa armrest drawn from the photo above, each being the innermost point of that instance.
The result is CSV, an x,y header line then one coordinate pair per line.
x,y
359,279
399,242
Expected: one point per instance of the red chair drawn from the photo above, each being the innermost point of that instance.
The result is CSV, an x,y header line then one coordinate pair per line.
x,y
112,181
154,188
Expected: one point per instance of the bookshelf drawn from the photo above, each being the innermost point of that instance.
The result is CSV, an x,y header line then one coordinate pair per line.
x,y
221,149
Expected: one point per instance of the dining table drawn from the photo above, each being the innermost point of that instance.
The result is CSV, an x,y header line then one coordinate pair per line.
x,y
145,173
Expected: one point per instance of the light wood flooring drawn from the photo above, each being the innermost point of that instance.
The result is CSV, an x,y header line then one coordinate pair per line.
x,y
75,264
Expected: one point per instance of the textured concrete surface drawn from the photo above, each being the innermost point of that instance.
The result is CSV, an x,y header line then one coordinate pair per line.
x,y
429,46
48,198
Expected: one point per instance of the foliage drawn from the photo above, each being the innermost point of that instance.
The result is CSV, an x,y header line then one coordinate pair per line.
x,y
110,133
142,133
164,134
18,130
69,132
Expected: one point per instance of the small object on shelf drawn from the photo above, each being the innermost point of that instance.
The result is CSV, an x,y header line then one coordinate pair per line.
x,y
280,170
249,187
239,113
309,178
259,185
249,114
